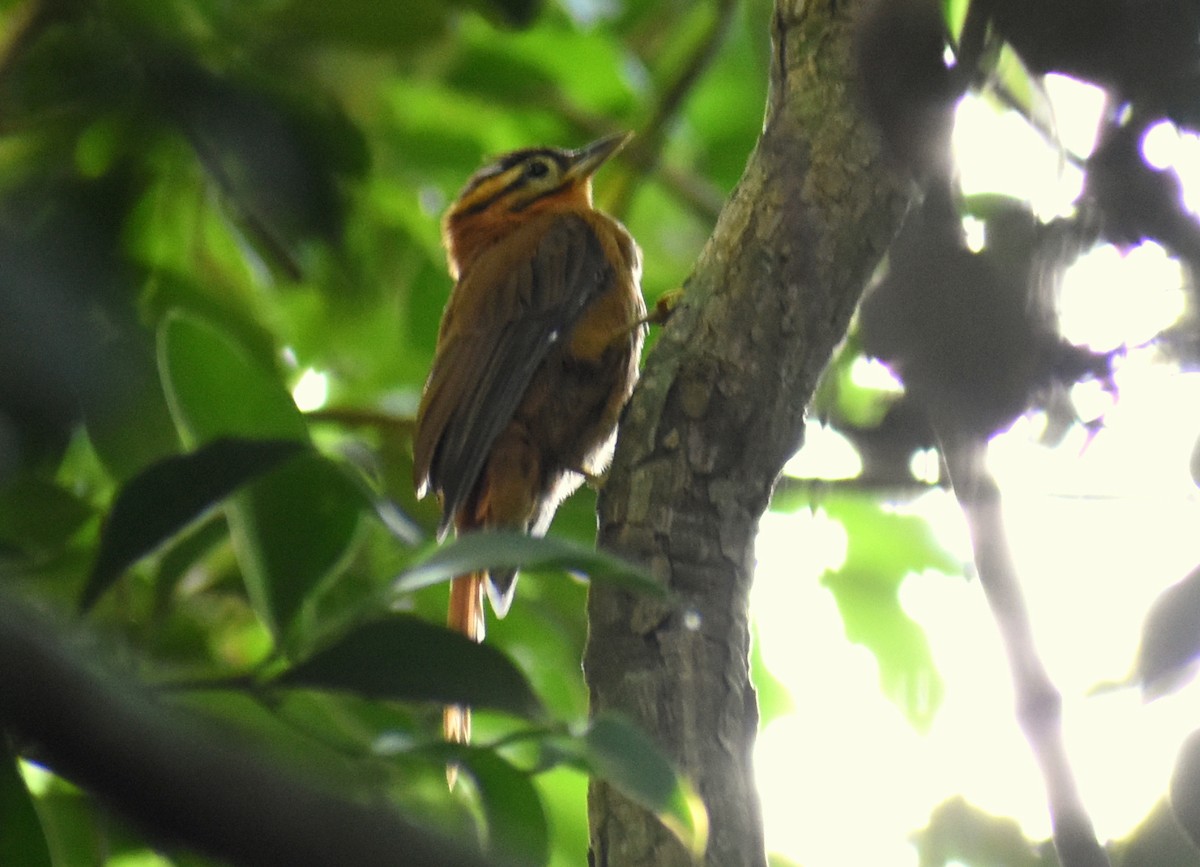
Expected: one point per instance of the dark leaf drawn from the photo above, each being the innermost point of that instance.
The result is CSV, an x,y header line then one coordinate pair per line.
x,y
273,176
516,821
163,499
362,24
907,89
1136,201
291,530
504,550
973,335
408,659
624,756
1147,50
1170,639
514,13
1157,840
37,515
1185,788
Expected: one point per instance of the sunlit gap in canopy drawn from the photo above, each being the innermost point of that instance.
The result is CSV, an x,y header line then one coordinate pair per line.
x,y
1099,525
311,390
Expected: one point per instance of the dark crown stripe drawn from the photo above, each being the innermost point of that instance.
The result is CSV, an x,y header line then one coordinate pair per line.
x,y
500,167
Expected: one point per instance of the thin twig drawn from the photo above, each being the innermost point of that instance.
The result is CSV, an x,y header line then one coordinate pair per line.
x,y
644,153
693,191
1039,703
357,417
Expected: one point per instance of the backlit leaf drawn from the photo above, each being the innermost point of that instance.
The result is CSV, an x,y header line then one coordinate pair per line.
x,y
885,548
23,841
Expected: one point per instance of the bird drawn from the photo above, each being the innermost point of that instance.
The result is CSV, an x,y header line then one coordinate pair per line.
x,y
536,355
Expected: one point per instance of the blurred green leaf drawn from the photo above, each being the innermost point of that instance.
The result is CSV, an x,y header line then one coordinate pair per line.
x,y
291,530
774,697
294,526
474,552
214,389
363,24
559,787
625,756
23,840
38,516
512,808
166,497
961,833
515,13
884,548
68,816
408,659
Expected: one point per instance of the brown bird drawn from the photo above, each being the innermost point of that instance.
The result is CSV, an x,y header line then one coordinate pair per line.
x,y
536,355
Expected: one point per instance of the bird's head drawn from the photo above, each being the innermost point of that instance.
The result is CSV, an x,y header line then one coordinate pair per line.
x,y
517,185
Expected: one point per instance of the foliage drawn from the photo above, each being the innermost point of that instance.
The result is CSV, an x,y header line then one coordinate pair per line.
x,y
205,205
208,207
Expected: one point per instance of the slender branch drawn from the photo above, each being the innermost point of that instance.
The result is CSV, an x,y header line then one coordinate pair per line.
x,y
181,780
644,152
353,416
689,189
1039,703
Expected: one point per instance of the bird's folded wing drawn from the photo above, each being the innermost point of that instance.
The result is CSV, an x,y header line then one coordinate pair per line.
x,y
499,330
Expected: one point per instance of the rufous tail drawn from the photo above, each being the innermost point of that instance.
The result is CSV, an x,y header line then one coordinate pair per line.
x,y
466,616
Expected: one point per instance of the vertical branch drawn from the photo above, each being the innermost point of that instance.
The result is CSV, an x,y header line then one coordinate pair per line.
x,y
1039,703
719,410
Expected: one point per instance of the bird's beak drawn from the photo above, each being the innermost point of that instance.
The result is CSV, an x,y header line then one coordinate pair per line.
x,y
587,159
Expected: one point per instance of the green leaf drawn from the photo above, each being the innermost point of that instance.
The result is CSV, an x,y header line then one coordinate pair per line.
x,y
506,550
167,496
959,832
516,822
408,659
362,23
39,516
291,530
774,696
23,841
1158,839
883,539
627,758
884,548
294,526
514,13
215,389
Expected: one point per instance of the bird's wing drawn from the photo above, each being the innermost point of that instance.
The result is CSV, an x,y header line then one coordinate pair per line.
x,y
499,327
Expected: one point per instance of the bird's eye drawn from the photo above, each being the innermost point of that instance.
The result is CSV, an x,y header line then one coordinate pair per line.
x,y
537,169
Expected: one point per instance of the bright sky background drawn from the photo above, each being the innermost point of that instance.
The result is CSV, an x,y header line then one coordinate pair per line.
x,y
1098,529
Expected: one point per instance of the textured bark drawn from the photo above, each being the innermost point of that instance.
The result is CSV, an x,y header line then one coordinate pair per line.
x,y
719,410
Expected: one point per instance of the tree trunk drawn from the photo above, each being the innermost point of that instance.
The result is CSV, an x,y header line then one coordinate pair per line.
x,y
719,410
